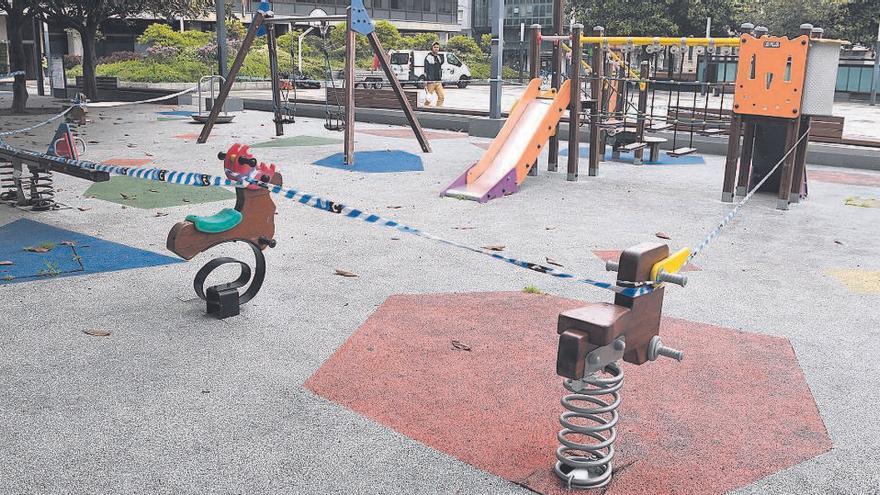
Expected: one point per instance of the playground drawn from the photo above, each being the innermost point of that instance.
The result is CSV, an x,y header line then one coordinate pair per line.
x,y
409,309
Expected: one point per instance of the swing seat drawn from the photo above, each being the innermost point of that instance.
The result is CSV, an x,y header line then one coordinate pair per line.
x,y
677,152
660,127
222,221
712,132
634,146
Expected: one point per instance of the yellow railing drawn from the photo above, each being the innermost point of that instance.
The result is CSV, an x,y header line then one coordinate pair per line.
x,y
648,40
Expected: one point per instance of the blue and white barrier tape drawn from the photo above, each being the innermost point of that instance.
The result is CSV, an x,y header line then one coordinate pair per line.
x,y
39,124
196,179
732,213
12,74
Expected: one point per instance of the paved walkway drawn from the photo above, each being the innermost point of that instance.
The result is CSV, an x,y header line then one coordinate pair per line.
x,y
172,401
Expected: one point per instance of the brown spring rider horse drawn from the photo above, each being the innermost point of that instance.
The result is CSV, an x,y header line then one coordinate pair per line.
x,y
252,221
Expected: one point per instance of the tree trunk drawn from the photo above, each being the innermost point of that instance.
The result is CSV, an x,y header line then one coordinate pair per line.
x,y
90,84
18,63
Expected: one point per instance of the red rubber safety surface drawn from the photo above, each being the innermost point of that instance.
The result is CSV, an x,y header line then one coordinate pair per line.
x,y
840,177
736,410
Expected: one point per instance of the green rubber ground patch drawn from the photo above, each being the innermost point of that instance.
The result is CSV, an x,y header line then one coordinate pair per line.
x,y
145,194
297,141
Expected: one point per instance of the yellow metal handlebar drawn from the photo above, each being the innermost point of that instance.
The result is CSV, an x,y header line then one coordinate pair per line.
x,y
648,40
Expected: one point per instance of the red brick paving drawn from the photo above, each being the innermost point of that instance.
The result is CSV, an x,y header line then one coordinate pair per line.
x,y
736,410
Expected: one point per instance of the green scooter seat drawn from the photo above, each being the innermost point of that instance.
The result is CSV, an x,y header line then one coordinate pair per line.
x,y
225,219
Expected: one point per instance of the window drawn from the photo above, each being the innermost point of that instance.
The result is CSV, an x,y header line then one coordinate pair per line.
x,y
452,59
399,58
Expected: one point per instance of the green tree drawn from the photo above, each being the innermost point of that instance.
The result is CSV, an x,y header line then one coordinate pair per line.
x,y
87,16
465,46
388,35
18,14
421,41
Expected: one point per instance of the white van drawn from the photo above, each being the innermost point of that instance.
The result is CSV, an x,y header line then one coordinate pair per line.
x,y
409,67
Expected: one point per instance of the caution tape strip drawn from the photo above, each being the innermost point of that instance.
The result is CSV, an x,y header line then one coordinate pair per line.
x,y
39,124
204,180
732,213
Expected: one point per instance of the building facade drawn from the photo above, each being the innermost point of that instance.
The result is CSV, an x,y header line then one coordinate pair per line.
x,y
437,16
517,13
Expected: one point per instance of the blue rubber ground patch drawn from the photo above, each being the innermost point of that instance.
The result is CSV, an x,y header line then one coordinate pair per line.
x,y
70,253
376,162
177,113
665,159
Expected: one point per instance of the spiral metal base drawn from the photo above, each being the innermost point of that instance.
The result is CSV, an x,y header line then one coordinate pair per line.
x,y
256,282
589,423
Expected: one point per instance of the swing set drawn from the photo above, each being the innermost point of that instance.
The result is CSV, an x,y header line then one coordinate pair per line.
x,y
338,117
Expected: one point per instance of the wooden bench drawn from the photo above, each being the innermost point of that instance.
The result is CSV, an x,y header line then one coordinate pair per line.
x,y
103,82
373,98
824,129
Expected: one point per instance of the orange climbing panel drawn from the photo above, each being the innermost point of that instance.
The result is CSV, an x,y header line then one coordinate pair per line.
x,y
770,76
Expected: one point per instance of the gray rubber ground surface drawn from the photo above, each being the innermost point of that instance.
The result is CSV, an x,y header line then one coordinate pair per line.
x,y
176,402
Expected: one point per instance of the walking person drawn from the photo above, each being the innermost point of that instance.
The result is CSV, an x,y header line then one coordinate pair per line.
x,y
434,74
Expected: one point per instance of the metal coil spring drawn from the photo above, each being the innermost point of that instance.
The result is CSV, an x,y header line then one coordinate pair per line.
x,y
7,182
42,190
589,429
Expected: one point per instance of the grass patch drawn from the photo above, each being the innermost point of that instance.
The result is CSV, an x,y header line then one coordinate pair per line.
x,y
532,289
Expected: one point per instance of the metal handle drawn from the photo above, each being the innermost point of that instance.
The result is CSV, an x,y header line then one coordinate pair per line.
x,y
672,278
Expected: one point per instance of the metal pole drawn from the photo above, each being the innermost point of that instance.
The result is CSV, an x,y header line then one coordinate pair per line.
x,y
299,54
497,19
38,55
48,53
556,82
522,39
219,5
596,141
574,116
708,27
876,81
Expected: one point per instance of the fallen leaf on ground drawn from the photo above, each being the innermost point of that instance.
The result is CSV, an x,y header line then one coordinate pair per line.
x,y
127,196
395,238
161,214
552,227
345,273
395,207
68,243
463,228
97,332
663,235
5,263
185,200
551,261
83,208
460,345
154,190
494,247
37,249
838,242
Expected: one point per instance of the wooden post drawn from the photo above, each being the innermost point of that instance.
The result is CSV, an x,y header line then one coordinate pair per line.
x,y
642,110
745,162
385,63
596,82
273,73
574,106
732,158
534,69
800,159
350,57
230,79
785,180
556,81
